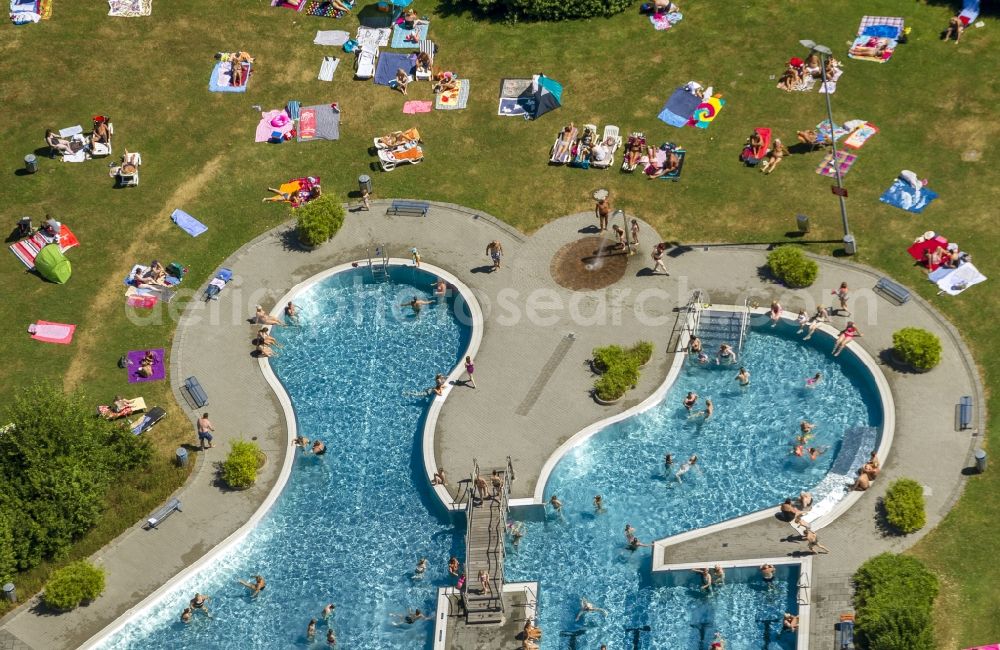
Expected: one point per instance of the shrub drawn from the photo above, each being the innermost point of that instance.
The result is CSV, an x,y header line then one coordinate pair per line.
x,y
904,505
619,368
791,267
551,9
917,347
893,597
56,465
73,584
319,220
239,470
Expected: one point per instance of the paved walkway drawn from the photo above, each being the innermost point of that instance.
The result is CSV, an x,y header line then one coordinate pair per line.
x,y
533,384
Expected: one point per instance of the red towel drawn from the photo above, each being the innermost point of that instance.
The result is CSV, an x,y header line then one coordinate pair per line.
x,y
918,249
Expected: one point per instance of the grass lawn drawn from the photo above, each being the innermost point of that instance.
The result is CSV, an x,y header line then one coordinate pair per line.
x,y
934,103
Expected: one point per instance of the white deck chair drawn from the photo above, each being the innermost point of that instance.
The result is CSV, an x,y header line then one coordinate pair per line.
x,y
612,140
426,46
98,150
389,158
126,179
364,64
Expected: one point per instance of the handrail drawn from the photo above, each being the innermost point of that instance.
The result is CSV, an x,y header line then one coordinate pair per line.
x,y
744,320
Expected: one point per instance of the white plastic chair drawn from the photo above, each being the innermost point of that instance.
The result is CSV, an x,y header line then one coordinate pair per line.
x,y
612,140
364,64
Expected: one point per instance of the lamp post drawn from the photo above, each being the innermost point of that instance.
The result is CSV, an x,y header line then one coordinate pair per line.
x,y
850,246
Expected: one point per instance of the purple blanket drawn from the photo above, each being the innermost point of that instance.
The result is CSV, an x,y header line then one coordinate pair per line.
x,y
135,359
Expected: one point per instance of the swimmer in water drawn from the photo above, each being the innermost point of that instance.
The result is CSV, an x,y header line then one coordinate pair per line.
x,y
668,463
743,376
690,400
311,630
599,505
702,358
686,467
328,611
706,579
816,452
556,504
186,615
806,427
586,607
516,533
416,304
694,346
318,447
719,573
815,379
258,585
709,409
331,638
798,449
453,566
418,573
726,354
409,618
440,287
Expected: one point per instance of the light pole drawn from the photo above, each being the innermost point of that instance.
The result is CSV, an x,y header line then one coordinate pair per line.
x,y
850,246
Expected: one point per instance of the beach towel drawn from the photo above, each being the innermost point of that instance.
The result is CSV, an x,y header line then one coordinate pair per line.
x,y
452,100
400,33
860,135
325,9
49,332
706,112
266,127
919,248
389,62
27,249
663,22
135,360
823,131
374,36
187,223
844,162
320,122
170,281
221,80
333,37
880,32
327,68
514,98
295,5
142,300
955,281
130,8
415,106
828,87
970,11
679,108
904,196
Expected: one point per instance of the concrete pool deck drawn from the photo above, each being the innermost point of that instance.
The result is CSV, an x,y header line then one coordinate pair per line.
x,y
533,390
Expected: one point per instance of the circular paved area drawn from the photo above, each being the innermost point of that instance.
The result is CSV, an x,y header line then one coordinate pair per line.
x,y
589,263
533,385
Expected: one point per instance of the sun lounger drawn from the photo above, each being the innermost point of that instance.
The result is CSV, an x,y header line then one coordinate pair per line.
x,y
364,63
634,139
397,138
121,408
389,158
611,140
561,152
146,422
581,153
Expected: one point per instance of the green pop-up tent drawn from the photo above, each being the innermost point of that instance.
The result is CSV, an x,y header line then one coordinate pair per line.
x,y
53,265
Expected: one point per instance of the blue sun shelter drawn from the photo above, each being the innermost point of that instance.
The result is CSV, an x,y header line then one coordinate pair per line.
x,y
546,95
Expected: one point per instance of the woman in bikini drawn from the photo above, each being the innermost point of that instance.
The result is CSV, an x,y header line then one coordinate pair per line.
x,y
846,336
564,142
773,158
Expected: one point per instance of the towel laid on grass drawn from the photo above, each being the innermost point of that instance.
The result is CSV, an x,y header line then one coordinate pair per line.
x,y
325,9
416,106
904,196
679,108
265,129
389,63
27,249
844,161
706,112
135,360
130,8
376,36
453,100
860,135
187,223
142,300
400,33
663,22
49,332
328,68
319,123
295,5
955,281
334,37
221,79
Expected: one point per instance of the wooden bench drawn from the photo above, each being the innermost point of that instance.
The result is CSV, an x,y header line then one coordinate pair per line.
x,y
896,293
172,506
415,208
197,394
964,413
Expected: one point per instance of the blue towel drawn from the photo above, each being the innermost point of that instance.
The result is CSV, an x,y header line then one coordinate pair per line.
x,y
903,196
188,224
293,109
213,82
389,62
399,34
679,108
882,31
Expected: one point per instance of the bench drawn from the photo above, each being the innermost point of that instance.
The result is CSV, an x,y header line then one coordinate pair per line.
x,y
197,394
896,293
172,506
964,412
416,208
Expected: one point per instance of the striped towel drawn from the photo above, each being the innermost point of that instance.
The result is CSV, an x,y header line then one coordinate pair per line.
x,y
27,249
328,67
868,21
453,100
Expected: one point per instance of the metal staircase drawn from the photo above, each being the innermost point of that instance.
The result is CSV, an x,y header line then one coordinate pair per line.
x,y
717,327
486,522
379,263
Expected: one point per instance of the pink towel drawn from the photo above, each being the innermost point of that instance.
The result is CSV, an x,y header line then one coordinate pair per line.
x,y
52,332
416,106
264,128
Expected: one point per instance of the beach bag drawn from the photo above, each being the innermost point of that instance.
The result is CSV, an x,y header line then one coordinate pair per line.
x,y
176,270
350,46
123,361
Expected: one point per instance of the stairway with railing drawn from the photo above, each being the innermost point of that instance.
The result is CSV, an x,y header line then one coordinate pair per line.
x,y
715,327
378,263
486,509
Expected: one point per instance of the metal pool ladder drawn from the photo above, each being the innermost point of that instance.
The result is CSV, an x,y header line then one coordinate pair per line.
x,y
379,263
744,325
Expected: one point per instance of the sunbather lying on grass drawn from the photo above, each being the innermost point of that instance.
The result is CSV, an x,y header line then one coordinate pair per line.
x,y
670,164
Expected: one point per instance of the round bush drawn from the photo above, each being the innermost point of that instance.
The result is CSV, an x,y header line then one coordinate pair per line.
x,y
319,220
904,505
917,347
791,267
73,584
893,597
239,470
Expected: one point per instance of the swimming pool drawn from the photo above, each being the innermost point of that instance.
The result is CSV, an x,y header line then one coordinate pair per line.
x,y
744,465
350,526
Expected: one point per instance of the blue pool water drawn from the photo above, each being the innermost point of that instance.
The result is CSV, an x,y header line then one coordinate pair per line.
x,y
350,526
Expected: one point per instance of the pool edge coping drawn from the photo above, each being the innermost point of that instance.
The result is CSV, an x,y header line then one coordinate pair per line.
x,y
291,423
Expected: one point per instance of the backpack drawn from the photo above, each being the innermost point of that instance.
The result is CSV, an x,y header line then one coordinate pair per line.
x,y
123,361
